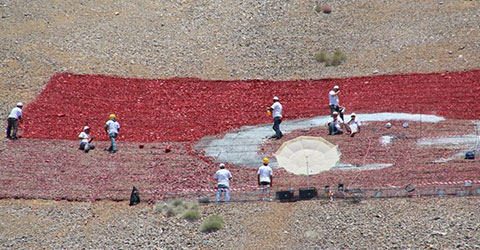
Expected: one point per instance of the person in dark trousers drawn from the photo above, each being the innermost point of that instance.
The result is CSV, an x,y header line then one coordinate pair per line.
x,y
334,101
14,118
86,140
335,125
276,110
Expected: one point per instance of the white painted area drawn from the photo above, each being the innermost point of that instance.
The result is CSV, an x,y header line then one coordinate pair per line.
x,y
363,167
386,139
241,146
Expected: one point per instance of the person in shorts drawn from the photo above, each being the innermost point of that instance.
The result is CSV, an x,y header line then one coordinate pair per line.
x,y
265,179
223,177
86,140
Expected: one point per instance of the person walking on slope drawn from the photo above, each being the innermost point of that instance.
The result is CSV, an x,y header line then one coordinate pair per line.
x,y
112,127
334,101
276,110
86,140
14,118
223,176
265,179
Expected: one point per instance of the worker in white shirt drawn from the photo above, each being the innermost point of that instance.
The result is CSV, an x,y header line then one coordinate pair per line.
x,y
265,179
223,176
86,140
112,127
353,126
14,118
334,101
335,125
276,110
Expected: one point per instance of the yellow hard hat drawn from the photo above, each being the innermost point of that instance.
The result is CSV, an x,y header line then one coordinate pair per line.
x,y
112,116
265,160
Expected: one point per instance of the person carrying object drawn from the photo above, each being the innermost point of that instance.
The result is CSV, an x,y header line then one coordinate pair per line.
x,y
112,127
276,110
334,101
86,140
223,177
335,125
13,119
265,179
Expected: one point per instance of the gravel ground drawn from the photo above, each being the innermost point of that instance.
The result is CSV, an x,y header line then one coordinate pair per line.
x,y
234,40
371,224
229,39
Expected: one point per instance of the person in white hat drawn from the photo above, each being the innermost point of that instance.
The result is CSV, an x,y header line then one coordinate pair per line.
x,y
14,118
335,125
86,140
276,110
223,176
334,101
353,126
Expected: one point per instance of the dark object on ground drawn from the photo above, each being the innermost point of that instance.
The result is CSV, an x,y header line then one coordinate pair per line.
x,y
307,193
140,146
285,195
410,188
340,187
326,9
168,149
470,155
204,200
134,197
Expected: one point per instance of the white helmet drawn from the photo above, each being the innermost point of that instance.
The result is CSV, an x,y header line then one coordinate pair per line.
x,y
275,98
388,125
336,87
86,128
19,104
222,165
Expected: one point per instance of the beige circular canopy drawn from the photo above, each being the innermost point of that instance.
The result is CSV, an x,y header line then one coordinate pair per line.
x,y
307,155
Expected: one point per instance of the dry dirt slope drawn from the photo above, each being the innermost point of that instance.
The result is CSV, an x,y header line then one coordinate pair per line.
x,y
419,223
229,39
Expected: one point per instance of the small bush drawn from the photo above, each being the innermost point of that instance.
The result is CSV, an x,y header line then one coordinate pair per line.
x,y
177,202
191,215
170,212
321,56
336,59
212,223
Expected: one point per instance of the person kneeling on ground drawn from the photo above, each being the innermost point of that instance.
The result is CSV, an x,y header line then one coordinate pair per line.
x,y
353,126
223,176
335,125
86,140
265,179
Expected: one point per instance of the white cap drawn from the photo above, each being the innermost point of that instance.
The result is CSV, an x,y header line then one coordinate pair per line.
x,y
19,104
335,113
85,128
275,98
222,165
336,87
353,114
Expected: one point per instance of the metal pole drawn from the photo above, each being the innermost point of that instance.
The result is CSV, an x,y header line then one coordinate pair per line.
x,y
308,174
